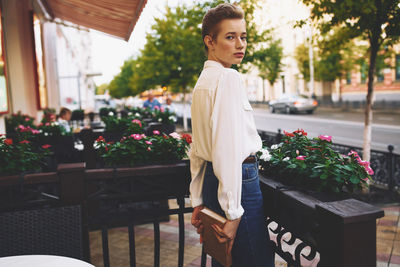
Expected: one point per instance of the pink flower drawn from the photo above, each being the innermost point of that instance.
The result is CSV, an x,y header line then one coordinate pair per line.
x,y
143,135
47,124
137,122
35,131
24,142
352,152
22,127
149,148
370,171
156,132
137,136
175,135
363,163
149,143
162,109
157,108
27,119
366,179
325,138
301,157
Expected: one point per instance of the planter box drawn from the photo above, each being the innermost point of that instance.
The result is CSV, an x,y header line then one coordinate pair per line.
x,y
343,231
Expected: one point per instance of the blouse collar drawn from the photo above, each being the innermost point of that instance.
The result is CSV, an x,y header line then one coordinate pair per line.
x,y
212,63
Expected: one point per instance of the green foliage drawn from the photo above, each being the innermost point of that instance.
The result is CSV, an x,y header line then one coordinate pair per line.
x,y
303,60
49,115
138,149
313,164
105,112
378,21
120,86
20,157
269,61
101,89
174,52
128,125
18,119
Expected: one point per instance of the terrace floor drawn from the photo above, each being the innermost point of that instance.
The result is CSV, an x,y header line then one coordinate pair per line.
x,y
388,243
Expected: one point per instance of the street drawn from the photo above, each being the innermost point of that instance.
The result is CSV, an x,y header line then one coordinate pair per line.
x,y
346,127
342,131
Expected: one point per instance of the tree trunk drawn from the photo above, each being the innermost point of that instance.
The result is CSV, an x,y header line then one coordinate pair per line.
x,y
264,94
368,107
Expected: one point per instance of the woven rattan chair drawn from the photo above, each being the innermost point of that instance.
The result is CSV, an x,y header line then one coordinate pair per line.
x,y
50,231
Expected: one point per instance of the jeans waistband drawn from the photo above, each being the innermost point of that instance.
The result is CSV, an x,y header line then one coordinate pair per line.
x,y
256,161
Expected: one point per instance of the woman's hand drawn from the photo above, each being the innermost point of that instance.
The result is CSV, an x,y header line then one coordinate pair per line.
x,y
228,233
196,222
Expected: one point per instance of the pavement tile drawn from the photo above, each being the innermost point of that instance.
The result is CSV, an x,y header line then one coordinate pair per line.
x,y
386,232
392,208
391,217
394,265
387,223
382,257
381,264
396,248
384,246
395,259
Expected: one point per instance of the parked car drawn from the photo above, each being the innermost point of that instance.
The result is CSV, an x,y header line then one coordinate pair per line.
x,y
290,103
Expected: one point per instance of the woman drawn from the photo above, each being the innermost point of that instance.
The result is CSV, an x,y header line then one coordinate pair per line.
x,y
223,166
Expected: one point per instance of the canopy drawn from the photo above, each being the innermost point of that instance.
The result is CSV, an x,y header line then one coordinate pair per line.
x,y
115,17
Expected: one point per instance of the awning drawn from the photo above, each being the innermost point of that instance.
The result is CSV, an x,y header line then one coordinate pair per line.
x,y
115,17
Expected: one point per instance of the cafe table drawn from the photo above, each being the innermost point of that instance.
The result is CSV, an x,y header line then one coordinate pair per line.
x,y
41,261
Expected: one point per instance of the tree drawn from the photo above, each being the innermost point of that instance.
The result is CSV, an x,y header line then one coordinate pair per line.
x,y
375,20
269,62
101,89
119,86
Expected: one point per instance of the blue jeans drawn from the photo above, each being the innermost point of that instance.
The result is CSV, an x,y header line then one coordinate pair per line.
x,y
252,246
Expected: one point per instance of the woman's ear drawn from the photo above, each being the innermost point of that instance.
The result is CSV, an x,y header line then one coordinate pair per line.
x,y
209,42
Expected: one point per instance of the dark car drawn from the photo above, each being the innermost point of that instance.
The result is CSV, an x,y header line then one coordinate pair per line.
x,y
290,103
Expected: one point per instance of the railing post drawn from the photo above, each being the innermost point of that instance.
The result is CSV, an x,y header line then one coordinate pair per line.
x,y
347,233
72,192
390,162
279,135
89,155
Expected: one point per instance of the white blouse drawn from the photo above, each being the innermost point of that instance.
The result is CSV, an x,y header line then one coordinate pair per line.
x,y
223,132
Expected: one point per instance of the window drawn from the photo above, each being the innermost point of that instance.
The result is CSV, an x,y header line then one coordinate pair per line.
x,y
39,64
3,77
397,67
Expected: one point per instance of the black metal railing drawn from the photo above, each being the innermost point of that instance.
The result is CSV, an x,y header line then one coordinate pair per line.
x,y
125,197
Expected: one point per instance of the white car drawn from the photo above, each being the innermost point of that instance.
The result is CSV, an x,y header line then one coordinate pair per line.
x,y
289,103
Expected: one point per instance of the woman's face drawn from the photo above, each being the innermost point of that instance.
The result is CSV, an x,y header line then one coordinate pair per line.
x,y
229,46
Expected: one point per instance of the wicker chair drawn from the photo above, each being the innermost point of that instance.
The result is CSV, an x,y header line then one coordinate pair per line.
x,y
50,231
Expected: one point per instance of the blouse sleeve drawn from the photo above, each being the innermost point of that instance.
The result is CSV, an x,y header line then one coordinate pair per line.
x,y
227,142
197,169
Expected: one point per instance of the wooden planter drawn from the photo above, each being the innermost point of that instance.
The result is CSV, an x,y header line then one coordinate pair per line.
x,y
342,231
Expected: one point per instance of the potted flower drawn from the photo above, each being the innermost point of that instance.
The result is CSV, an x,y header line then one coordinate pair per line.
x,y
18,119
21,157
139,149
164,120
312,164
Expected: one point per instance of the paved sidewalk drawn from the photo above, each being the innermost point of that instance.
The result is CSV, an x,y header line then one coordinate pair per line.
x,y
388,237
388,243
